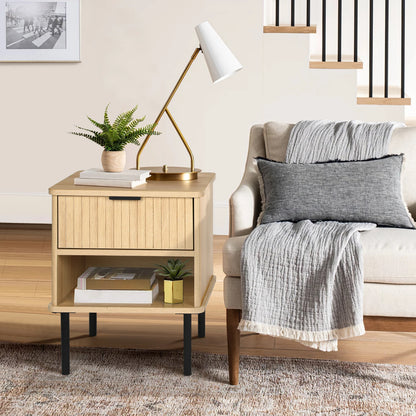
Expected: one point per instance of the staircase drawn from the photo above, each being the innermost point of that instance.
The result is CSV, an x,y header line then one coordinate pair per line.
x,y
368,36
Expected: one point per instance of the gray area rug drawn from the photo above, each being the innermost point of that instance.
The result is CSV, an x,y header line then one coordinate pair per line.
x,y
127,382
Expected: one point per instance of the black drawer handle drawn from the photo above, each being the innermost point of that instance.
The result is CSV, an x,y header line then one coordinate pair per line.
x,y
125,198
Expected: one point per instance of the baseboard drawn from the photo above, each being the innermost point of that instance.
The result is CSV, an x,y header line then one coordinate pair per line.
x,y
23,226
35,208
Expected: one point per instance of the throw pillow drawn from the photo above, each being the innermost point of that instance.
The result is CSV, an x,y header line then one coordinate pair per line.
x,y
359,191
403,140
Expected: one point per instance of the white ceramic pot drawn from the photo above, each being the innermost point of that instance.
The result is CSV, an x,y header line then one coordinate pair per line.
x,y
113,161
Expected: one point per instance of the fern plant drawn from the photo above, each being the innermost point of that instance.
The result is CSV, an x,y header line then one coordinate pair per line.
x,y
173,270
115,136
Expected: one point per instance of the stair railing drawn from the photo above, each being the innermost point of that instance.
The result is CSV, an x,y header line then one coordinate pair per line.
x,y
340,28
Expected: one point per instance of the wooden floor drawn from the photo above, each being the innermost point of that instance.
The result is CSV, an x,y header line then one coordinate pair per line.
x,y
25,269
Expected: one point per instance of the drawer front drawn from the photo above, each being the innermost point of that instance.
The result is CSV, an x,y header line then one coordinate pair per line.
x,y
148,223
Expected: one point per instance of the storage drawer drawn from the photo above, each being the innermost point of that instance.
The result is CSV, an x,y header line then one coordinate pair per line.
x,y
146,223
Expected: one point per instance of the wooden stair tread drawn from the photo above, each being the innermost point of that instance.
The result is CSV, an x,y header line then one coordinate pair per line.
x,y
383,101
379,99
335,65
331,62
289,29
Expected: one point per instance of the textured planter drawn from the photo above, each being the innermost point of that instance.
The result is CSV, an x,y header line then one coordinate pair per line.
x,y
113,161
173,291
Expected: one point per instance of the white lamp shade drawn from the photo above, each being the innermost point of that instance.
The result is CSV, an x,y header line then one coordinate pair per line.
x,y
220,60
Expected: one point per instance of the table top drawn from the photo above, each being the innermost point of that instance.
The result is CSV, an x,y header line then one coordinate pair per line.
x,y
181,189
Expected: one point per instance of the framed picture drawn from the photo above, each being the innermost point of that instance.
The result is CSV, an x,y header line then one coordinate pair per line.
x,y
39,31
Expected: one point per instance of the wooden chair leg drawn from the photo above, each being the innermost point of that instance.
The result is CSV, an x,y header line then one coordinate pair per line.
x,y
233,337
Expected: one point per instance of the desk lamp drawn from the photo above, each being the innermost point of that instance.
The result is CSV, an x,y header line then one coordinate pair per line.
x,y
221,64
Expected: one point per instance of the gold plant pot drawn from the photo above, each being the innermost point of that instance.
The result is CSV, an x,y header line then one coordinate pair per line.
x,y
173,290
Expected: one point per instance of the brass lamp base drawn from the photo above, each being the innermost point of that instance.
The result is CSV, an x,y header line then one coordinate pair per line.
x,y
171,173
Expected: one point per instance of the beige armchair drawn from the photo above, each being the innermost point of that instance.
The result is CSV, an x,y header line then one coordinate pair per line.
x,y
389,253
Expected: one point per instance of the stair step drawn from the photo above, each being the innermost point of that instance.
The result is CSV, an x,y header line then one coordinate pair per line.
x,y
331,62
379,99
384,101
289,29
335,65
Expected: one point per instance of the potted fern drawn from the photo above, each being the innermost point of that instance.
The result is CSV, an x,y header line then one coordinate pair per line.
x,y
174,273
113,137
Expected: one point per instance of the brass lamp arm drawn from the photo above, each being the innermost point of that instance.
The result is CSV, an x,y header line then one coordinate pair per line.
x,y
165,109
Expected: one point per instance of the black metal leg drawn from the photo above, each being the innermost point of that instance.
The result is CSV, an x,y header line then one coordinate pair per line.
x,y
187,344
65,343
93,324
201,325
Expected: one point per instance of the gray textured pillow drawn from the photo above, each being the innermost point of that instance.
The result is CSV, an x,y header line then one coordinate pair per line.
x,y
362,191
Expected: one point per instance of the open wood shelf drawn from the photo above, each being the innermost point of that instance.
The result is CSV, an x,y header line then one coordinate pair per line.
x,y
289,29
158,306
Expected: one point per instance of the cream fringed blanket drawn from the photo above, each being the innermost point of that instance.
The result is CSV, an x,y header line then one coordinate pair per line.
x,y
304,280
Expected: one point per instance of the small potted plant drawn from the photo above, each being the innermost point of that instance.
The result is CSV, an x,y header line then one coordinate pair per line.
x,y
173,272
115,136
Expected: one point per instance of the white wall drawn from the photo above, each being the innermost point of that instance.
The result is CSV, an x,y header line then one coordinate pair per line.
x,y
133,52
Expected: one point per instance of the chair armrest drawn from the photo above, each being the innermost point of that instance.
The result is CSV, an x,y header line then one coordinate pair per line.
x,y
245,201
245,205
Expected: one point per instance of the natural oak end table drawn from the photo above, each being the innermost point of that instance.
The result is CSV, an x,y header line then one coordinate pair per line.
x,y
141,227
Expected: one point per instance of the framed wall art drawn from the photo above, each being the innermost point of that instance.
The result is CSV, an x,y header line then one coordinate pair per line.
x,y
39,31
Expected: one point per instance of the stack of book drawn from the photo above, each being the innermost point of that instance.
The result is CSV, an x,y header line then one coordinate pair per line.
x,y
126,179
117,285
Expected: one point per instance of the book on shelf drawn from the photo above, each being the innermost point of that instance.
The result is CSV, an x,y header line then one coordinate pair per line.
x,y
127,175
117,278
117,296
119,183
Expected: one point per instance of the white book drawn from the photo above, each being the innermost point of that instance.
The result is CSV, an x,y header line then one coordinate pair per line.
x,y
127,175
82,279
117,296
109,182
117,278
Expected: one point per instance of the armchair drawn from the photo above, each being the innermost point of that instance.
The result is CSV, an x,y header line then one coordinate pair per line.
x,y
389,253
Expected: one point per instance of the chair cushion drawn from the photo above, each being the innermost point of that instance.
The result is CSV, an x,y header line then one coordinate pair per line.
x,y
403,140
380,299
389,255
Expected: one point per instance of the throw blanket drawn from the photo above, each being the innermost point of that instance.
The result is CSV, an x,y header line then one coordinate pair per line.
x,y
304,281
320,141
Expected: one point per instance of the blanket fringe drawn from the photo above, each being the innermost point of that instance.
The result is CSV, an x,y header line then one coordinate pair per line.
x,y
308,336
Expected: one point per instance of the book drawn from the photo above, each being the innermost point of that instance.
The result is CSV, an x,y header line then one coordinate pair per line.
x,y
109,182
127,175
117,296
117,278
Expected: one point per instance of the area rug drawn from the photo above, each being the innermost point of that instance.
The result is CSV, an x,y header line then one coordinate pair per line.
x,y
115,382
